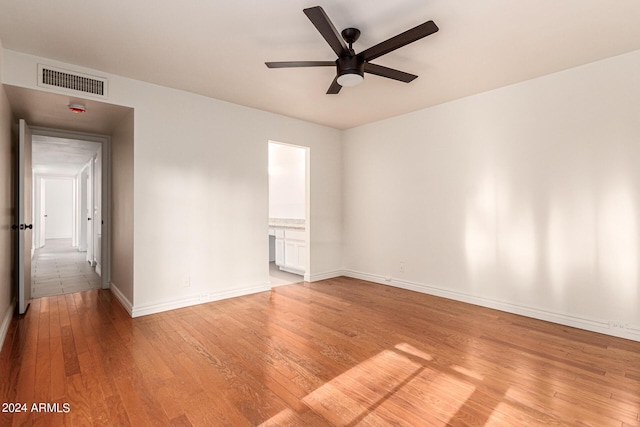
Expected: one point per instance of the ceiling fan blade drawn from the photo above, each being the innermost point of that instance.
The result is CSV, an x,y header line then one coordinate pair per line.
x,y
335,87
403,39
294,64
322,23
390,73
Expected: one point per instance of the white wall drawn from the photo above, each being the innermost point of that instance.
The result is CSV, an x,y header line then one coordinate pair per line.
x,y
122,210
525,198
286,181
7,293
58,208
200,192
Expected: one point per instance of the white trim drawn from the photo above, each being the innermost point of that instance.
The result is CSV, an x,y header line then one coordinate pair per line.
x,y
594,325
634,331
126,304
323,276
291,270
195,300
6,321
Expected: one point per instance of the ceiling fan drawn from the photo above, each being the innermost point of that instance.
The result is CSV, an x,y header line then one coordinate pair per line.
x,y
351,66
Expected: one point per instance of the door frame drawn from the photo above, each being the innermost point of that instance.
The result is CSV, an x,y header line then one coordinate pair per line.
x,y
307,201
105,140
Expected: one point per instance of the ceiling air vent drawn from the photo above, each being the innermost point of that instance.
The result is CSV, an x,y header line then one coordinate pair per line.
x,y
72,82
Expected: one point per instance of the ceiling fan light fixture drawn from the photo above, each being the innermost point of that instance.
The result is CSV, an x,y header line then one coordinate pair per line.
x,y
350,79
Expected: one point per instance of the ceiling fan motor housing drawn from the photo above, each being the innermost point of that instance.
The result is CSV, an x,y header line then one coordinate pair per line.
x,y
350,65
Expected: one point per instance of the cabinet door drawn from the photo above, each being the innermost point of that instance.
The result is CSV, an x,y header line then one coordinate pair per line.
x,y
300,249
290,254
279,252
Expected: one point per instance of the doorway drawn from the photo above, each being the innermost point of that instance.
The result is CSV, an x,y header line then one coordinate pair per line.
x,y
69,201
288,170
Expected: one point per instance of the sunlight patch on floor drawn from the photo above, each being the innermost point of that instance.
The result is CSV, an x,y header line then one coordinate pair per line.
x,y
403,383
350,395
409,349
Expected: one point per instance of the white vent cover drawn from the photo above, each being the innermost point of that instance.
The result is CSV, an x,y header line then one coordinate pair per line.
x,y
72,82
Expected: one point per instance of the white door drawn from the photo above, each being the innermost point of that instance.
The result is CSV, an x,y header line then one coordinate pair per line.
x,y
82,212
89,212
97,211
43,215
23,225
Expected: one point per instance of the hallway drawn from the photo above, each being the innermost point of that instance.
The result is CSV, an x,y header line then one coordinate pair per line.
x,y
58,268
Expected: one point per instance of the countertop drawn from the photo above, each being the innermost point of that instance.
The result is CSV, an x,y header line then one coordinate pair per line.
x,y
289,223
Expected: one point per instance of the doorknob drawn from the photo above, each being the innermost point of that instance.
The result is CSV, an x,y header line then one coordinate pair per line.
x,y
14,227
88,219
30,226
25,226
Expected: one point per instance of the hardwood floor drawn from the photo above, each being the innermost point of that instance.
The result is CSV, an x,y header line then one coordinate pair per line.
x,y
58,268
340,352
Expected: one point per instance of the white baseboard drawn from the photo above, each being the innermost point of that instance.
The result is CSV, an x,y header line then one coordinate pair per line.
x,y
161,306
6,321
99,269
323,276
292,270
126,304
630,332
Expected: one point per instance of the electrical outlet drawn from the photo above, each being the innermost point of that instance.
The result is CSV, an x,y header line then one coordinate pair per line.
x,y
402,267
388,278
617,324
186,282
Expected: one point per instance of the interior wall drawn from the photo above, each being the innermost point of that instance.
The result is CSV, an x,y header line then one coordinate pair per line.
x,y
287,195
58,208
200,192
7,293
122,256
525,198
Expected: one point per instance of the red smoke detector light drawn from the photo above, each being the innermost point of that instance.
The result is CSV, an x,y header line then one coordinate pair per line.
x,y
77,108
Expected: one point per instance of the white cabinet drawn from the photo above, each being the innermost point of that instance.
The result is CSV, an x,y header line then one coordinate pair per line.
x,y
279,252
291,254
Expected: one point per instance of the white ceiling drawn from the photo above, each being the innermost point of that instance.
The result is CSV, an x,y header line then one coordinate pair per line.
x,y
218,48
57,156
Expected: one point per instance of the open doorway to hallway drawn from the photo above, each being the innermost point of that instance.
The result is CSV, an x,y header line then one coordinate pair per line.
x,y
67,215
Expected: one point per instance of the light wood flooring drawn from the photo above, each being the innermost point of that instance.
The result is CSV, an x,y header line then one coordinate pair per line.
x,y
278,277
340,352
58,268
